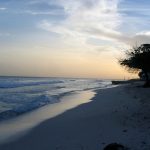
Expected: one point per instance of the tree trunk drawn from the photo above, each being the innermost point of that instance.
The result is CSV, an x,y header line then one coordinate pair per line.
x,y
147,82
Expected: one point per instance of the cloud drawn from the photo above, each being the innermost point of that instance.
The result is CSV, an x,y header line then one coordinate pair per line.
x,y
2,8
94,18
33,7
102,49
140,38
31,12
143,33
83,19
44,8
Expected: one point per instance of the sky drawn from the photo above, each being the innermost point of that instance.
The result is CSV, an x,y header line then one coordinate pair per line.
x,y
70,38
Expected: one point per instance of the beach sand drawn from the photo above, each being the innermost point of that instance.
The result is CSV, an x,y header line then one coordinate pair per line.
x,y
119,114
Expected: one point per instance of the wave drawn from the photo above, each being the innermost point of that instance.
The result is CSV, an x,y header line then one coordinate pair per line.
x,y
40,101
22,84
19,95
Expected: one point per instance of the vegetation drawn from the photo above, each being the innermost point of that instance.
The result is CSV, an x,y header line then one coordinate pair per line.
x,y
138,60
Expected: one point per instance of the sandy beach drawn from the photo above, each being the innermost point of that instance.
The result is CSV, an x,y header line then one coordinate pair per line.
x,y
74,75
119,114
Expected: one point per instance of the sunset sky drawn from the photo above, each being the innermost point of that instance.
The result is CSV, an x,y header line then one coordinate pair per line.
x,y
70,38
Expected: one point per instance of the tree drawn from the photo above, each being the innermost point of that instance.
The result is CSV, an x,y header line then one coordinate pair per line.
x,y
138,59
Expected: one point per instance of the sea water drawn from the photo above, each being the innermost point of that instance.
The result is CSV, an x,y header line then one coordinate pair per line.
x,y
48,97
22,94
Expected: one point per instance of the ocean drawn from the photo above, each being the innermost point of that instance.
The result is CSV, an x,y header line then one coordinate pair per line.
x,y
19,95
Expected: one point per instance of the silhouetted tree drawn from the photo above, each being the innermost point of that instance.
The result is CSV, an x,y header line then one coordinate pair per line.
x,y
138,59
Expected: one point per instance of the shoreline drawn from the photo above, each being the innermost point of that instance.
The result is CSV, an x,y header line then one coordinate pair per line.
x,y
20,125
113,115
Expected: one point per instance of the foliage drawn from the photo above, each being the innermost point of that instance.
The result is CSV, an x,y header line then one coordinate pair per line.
x,y
138,59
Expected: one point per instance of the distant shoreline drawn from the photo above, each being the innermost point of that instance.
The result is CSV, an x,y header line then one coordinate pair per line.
x,y
115,82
